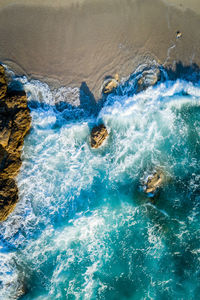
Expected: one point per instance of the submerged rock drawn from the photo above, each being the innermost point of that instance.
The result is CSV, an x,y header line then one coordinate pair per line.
x,y
149,77
153,182
15,122
111,84
98,135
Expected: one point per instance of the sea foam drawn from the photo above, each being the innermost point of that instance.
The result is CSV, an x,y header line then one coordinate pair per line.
x,y
82,228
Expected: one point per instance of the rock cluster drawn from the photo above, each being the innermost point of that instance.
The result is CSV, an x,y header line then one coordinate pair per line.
x,y
98,135
148,77
15,122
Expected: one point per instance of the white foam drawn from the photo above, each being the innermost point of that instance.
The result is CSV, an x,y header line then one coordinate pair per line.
x,y
62,177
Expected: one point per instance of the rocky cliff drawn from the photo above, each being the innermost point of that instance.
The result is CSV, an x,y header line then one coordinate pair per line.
x,y
15,122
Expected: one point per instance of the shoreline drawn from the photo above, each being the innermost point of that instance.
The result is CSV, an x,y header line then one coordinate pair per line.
x,y
65,43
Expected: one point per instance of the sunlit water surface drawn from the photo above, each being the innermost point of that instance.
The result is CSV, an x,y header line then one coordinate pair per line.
x,y
83,228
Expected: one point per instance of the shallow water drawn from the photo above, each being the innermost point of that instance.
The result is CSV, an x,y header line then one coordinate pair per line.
x,y
83,228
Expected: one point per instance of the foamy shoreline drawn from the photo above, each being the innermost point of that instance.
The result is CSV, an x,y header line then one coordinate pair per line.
x,y
75,41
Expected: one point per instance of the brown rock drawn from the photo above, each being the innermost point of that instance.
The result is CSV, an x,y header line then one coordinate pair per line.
x,y
4,137
98,135
12,167
16,100
3,157
153,182
3,83
21,121
15,123
148,78
8,197
111,84
20,127
5,129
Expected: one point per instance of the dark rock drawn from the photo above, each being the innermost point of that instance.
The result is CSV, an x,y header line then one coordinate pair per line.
x,y
16,100
8,197
15,123
3,83
178,34
98,135
5,130
12,166
3,157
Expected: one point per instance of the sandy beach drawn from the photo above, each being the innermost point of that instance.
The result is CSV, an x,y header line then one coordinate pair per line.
x,y
99,177
68,42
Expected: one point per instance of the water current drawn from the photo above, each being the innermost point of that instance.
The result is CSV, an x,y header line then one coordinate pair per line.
x,y
84,228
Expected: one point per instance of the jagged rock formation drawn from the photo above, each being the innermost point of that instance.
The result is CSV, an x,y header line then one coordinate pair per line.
x,y
98,135
149,77
15,121
111,84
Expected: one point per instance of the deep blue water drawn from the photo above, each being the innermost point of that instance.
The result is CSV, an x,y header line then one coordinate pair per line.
x,y
83,228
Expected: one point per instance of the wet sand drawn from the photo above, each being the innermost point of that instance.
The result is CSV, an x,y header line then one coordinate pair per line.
x,y
193,5
68,42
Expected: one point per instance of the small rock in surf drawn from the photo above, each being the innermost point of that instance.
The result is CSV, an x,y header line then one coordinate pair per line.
x,y
111,84
153,182
98,135
148,78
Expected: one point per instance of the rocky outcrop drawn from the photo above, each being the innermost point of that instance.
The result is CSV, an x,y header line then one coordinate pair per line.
x,y
3,83
111,84
148,78
153,182
15,122
98,135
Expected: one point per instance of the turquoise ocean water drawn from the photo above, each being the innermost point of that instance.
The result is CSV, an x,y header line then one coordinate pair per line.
x,y
83,228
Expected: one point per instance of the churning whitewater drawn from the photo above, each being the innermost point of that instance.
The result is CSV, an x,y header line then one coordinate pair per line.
x,y
84,228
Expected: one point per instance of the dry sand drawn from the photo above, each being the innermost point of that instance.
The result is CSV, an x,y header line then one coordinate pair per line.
x,y
66,42
193,5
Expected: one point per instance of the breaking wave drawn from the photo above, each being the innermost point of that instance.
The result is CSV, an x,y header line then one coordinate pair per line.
x,y
83,229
